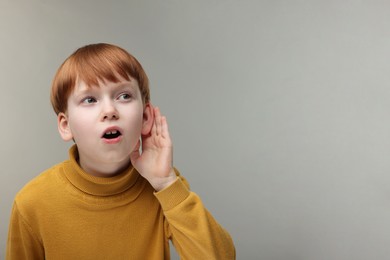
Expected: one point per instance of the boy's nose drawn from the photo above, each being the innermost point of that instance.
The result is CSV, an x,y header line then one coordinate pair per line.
x,y
109,112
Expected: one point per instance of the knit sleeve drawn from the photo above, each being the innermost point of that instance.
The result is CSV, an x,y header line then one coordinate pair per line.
x,y
22,243
194,232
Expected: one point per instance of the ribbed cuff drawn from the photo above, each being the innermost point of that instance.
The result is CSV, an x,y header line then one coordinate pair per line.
x,y
172,195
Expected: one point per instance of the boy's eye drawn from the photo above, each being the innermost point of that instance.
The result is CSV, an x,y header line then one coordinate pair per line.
x,y
89,100
124,96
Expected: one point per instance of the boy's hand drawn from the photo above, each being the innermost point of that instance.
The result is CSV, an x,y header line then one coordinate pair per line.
x,y
155,161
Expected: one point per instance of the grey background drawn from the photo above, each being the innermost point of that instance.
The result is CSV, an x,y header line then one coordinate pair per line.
x,y
279,110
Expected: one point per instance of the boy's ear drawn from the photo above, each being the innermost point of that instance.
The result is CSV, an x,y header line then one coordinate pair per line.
x,y
148,119
63,127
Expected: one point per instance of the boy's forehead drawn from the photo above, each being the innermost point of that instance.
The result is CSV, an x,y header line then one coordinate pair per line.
x,y
82,85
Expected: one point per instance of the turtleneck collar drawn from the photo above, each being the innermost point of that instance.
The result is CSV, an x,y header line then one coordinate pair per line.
x,y
98,186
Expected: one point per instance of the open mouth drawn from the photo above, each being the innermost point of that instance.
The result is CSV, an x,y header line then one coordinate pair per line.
x,y
112,134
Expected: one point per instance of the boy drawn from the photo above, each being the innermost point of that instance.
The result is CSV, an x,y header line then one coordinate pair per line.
x,y
118,196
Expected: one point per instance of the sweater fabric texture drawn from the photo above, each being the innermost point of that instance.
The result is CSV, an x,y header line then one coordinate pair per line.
x,y
65,213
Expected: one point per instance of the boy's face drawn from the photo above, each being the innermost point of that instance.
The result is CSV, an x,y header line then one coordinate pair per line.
x,y
106,122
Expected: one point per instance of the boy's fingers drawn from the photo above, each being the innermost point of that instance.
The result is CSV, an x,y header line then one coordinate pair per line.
x,y
164,127
154,127
158,121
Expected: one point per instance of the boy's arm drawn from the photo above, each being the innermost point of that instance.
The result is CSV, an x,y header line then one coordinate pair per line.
x,y
22,243
193,231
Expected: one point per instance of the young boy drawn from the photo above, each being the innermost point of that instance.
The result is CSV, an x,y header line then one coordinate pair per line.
x,y
118,195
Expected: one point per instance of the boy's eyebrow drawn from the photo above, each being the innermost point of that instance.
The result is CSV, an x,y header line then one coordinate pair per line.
x,y
117,85
121,86
82,93
124,84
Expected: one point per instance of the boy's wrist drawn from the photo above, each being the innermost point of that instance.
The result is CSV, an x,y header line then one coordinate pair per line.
x,y
161,183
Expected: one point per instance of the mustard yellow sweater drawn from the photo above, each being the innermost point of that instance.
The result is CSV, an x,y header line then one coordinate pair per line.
x,y
65,213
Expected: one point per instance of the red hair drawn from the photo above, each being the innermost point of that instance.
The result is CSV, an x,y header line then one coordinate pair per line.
x,y
91,64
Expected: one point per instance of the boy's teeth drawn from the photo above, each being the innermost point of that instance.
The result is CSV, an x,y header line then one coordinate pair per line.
x,y
111,132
